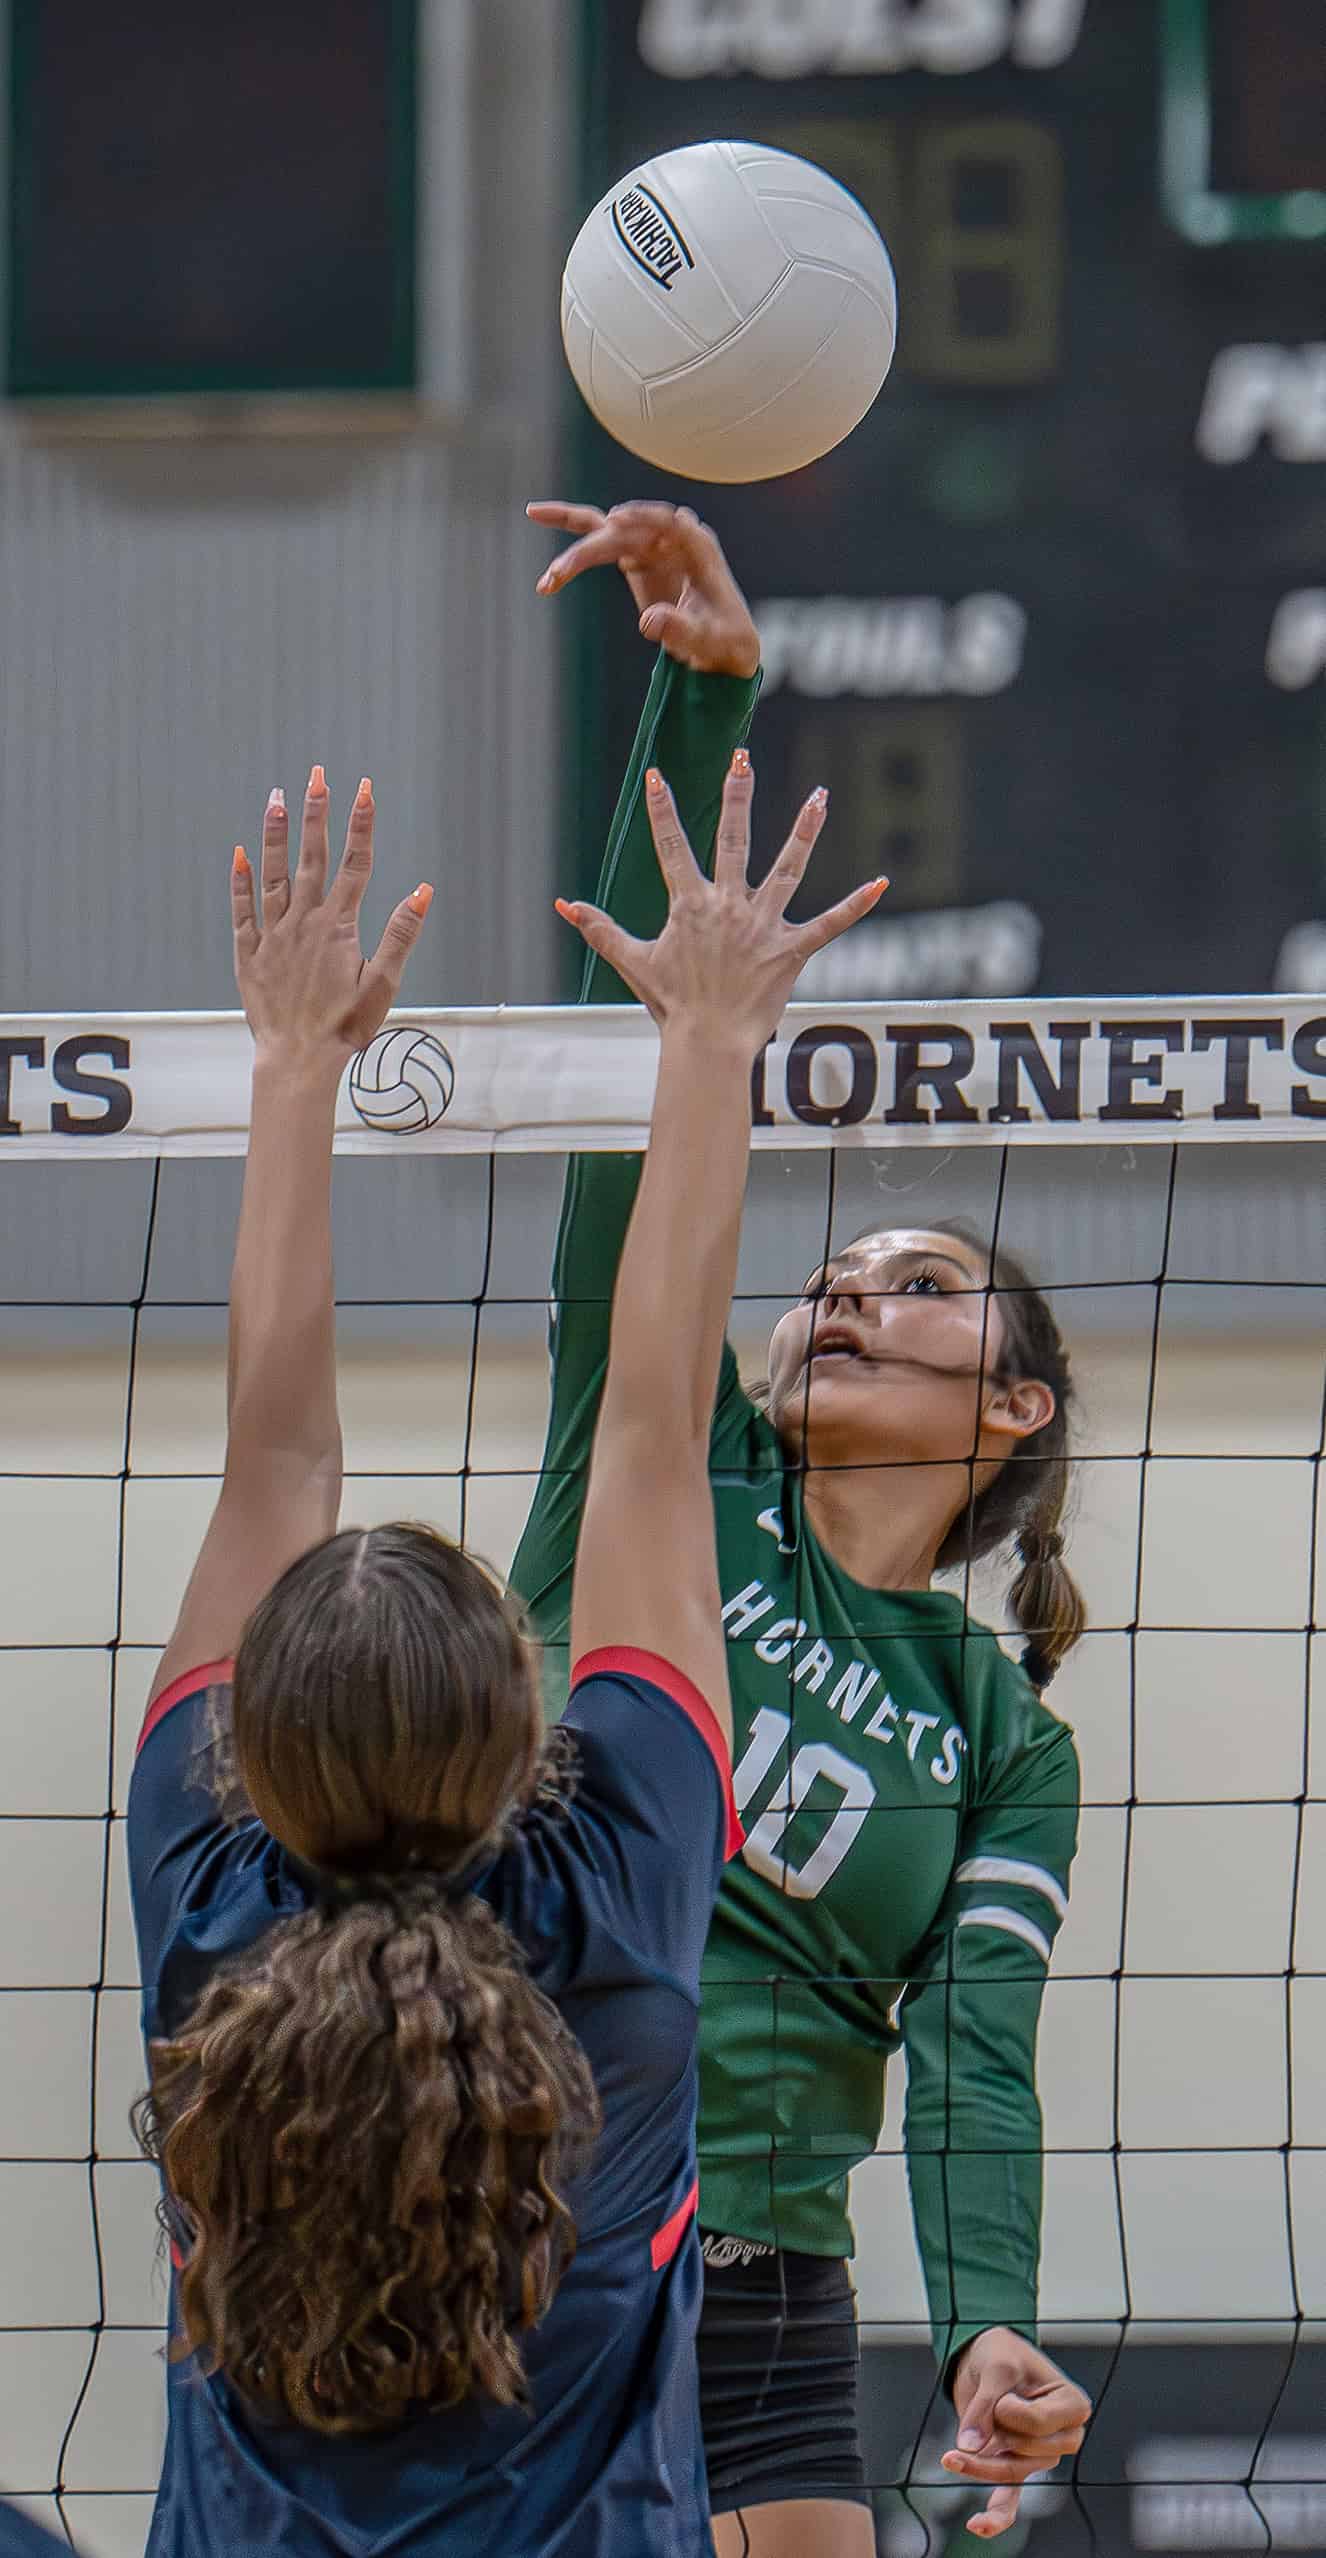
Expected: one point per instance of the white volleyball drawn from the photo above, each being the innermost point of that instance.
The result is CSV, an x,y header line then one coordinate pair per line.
x,y
403,1079
728,311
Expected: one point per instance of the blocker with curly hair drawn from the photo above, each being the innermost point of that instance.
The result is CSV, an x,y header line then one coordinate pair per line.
x,y
368,2119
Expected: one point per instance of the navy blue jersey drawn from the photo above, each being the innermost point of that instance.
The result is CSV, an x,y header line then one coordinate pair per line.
x,y
610,1896
20,2537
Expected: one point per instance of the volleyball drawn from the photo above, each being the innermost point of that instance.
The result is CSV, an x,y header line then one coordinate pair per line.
x,y
403,1079
728,311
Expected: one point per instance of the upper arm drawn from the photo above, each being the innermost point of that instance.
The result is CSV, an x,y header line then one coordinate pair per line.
x,y
655,1791
269,1511
183,1851
647,1564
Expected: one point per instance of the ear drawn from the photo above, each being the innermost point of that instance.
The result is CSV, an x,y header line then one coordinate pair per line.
x,y
1020,1409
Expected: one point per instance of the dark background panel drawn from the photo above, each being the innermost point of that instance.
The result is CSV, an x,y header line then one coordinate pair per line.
x,y
1037,441
211,200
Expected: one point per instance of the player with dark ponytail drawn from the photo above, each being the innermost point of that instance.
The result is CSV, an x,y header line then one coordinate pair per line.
x,y
420,1992
911,1802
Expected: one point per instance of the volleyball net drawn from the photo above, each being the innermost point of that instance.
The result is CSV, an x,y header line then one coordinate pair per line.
x,y
1159,1168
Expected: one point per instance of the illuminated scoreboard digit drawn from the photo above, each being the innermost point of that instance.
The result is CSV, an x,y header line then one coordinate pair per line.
x,y
1052,622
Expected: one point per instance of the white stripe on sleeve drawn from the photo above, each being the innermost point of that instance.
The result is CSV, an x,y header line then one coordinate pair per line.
x,y
1010,1869
1012,1923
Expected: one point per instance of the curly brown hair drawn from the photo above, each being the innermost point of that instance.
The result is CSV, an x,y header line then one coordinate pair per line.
x,y
367,2120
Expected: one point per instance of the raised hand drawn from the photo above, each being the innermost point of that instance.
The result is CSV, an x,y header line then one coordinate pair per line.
x,y
1018,2415
303,981
726,960
684,593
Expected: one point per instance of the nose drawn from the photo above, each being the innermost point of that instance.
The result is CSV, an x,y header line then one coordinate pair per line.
x,y
840,1300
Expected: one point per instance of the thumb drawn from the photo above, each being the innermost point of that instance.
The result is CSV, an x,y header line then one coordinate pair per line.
x,y
679,630
621,949
403,927
977,2422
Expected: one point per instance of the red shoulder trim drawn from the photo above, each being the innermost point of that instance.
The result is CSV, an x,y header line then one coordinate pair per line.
x,y
622,1661
665,2242
213,1674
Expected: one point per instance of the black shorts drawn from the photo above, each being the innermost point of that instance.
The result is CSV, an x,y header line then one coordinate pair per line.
x,y
779,2366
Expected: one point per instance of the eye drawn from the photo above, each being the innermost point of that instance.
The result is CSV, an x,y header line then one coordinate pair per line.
x,y
924,1282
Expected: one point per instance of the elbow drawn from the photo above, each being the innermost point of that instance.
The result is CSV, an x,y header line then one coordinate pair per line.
x,y
662,1441
289,1462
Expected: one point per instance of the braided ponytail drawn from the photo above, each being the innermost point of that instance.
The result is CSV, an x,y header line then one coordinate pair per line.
x,y
1025,1501
1046,1602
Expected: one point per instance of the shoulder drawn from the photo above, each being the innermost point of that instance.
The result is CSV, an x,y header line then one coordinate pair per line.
x,y
205,1877
650,1747
1008,1718
616,1885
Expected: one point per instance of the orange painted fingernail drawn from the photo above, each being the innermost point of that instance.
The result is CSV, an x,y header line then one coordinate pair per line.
x,y
276,801
240,862
565,909
740,762
364,793
654,780
317,780
421,900
819,798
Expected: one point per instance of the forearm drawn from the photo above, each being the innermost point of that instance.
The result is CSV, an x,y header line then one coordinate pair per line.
x,y
977,2222
282,1344
688,728
974,2141
679,1262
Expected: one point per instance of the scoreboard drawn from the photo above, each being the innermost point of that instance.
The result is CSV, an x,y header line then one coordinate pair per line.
x,y
1052,623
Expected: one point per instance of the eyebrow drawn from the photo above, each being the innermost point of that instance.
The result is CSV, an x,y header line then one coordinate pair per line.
x,y
913,1252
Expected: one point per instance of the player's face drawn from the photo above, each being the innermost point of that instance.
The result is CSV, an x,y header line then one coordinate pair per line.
x,y
891,1351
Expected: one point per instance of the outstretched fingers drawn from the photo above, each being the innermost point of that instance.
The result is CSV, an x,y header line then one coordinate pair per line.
x,y
356,865
243,908
675,858
608,940
840,918
311,868
382,973
607,545
999,2512
784,877
702,552
564,515
275,871
732,842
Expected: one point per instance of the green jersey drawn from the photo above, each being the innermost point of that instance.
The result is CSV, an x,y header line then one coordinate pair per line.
x,y
910,1805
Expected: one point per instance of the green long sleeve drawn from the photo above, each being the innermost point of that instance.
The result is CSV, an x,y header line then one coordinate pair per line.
x,y
688,728
969,2018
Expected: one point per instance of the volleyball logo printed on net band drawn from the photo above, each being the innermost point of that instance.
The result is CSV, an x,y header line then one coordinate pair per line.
x,y
403,1080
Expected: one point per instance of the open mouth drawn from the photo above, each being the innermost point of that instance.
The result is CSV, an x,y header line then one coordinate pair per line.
x,y
836,1348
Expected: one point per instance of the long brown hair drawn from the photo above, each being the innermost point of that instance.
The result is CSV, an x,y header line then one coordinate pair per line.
x,y
368,2117
1025,1501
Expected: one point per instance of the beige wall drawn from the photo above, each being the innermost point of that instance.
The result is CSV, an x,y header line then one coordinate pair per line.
x,y
1218,1716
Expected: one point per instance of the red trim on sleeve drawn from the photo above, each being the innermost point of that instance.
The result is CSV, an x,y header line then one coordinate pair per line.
x,y
622,1661
213,1674
665,2242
